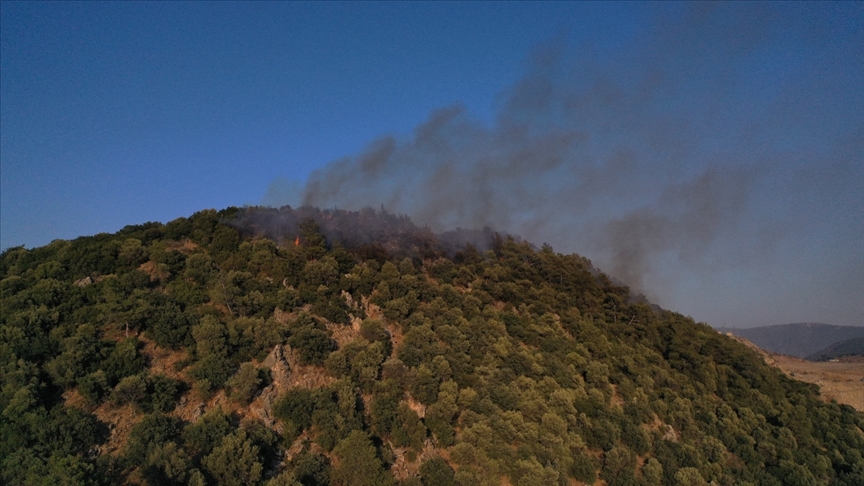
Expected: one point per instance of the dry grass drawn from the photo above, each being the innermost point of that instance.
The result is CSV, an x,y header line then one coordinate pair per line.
x,y
842,381
120,420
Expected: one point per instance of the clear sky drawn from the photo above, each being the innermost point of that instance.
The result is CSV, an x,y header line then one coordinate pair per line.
x,y
709,155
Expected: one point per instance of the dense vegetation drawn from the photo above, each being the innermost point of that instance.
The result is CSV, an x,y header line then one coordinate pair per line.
x,y
433,366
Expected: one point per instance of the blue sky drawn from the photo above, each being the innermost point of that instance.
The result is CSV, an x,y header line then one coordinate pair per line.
x,y
709,155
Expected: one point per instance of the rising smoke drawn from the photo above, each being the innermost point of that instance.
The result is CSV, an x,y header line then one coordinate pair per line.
x,y
672,150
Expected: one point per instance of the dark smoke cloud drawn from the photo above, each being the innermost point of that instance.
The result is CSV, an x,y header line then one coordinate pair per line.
x,y
674,152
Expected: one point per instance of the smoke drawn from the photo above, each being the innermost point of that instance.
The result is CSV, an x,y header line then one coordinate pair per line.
x,y
669,152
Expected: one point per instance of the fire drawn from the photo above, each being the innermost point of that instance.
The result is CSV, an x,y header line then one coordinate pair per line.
x,y
297,241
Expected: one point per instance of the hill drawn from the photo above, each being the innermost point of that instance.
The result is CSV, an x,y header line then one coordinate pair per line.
x,y
280,347
849,347
799,340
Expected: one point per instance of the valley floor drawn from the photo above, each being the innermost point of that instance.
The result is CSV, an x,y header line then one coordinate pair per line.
x,y
842,380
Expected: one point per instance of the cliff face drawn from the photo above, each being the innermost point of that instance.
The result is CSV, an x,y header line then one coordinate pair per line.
x,y
209,349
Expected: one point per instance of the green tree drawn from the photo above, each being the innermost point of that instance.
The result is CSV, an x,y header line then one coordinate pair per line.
x,y
132,389
689,476
82,352
436,472
408,430
358,464
652,472
234,462
211,345
286,478
163,392
312,241
125,360
243,386
295,409
425,387
312,345
311,469
618,467
94,387
152,431
310,339
205,434
166,464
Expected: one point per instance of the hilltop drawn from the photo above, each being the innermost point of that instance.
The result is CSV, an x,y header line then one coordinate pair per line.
x,y
308,347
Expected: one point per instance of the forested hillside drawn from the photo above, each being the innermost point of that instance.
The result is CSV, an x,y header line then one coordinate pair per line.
x,y
285,347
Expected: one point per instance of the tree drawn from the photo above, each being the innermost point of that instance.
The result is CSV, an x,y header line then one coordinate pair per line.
x,y
295,409
234,462
408,430
94,386
314,243
619,466
652,472
163,392
359,464
312,469
286,478
312,345
132,389
211,338
205,434
153,430
584,468
81,353
425,387
310,339
436,472
125,360
243,386
689,476
167,464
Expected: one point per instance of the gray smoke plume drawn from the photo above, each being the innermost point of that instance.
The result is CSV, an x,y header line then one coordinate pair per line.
x,y
673,151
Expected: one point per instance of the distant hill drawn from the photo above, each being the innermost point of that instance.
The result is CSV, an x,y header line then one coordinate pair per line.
x,y
800,339
849,347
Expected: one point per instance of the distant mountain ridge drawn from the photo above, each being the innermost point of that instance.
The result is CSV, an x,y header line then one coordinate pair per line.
x,y
799,339
849,347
